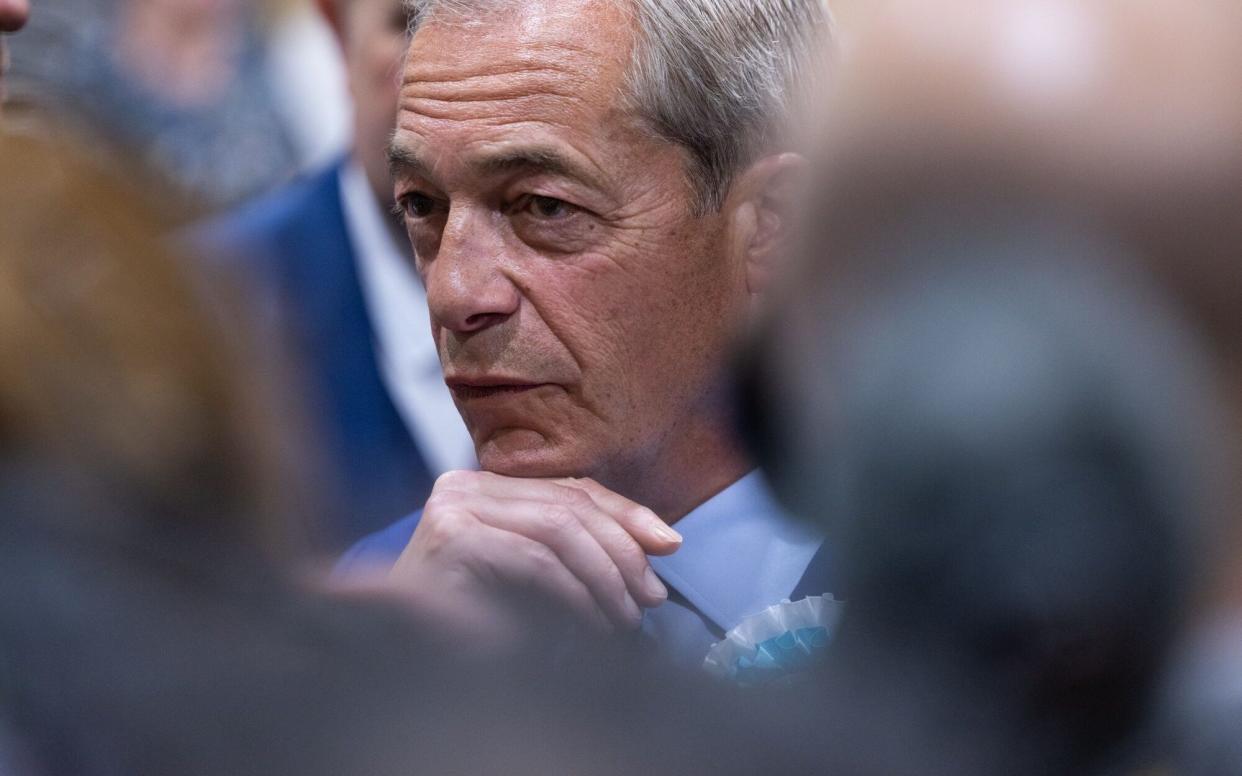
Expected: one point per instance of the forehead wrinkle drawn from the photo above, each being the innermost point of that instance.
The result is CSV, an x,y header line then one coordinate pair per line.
x,y
537,108
508,133
546,44
495,97
492,86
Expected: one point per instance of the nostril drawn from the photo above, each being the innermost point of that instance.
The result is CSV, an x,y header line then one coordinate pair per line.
x,y
483,320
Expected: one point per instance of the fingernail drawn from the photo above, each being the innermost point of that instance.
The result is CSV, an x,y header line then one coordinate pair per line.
x,y
654,585
666,533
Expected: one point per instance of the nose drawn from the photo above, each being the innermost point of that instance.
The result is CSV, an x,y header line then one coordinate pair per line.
x,y
13,14
467,288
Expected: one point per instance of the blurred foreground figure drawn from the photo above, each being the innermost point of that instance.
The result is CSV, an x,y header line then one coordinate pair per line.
x,y
999,434
978,385
335,279
146,625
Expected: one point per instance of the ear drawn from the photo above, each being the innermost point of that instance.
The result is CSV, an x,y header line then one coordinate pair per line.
x,y
334,15
762,204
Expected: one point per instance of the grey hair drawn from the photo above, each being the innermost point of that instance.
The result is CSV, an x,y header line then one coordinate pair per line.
x,y
721,78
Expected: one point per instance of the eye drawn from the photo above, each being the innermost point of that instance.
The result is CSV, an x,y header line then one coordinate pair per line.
x,y
418,205
549,208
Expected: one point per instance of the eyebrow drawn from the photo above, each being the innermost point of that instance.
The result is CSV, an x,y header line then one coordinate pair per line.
x,y
403,160
532,159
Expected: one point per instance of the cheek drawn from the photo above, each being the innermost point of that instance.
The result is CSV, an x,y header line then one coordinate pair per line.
x,y
642,315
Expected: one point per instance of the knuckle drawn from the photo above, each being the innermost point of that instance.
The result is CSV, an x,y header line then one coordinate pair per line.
x,y
630,554
559,519
541,562
613,581
443,526
440,499
615,536
455,479
575,497
638,515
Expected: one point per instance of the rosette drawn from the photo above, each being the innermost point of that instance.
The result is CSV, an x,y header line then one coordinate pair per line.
x,y
776,645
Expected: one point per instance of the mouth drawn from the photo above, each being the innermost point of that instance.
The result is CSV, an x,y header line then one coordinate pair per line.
x,y
489,387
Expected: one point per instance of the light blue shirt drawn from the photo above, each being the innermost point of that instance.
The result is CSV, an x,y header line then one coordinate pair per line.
x,y
741,554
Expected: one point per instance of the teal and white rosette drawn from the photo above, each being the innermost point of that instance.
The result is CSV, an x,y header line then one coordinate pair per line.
x,y
778,644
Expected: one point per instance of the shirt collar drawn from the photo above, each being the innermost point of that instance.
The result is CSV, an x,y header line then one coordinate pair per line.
x,y
741,553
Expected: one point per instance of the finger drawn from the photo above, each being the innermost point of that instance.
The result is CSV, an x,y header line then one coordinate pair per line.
x,y
562,529
535,567
614,527
621,546
655,536
652,534
638,580
507,562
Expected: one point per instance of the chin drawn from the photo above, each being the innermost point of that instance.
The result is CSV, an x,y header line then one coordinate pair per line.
x,y
524,453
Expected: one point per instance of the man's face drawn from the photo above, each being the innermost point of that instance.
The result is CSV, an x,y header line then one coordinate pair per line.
x,y
373,40
580,308
13,15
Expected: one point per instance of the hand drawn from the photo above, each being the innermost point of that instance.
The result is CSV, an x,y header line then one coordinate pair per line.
x,y
486,543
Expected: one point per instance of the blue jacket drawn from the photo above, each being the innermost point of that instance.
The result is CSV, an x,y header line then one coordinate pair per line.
x,y
294,251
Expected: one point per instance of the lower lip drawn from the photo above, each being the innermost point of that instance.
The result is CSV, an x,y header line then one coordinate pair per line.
x,y
470,392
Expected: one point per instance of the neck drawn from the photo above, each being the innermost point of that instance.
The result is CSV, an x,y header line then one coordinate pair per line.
x,y
696,463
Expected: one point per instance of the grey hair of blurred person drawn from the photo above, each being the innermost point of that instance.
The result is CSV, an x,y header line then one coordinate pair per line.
x,y
721,78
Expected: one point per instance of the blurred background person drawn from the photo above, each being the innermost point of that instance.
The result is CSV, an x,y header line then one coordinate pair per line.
x,y
180,86
335,276
309,80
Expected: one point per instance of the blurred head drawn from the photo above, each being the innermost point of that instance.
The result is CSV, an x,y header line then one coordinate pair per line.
x,y
13,14
1131,110
592,190
1127,114
110,371
372,36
